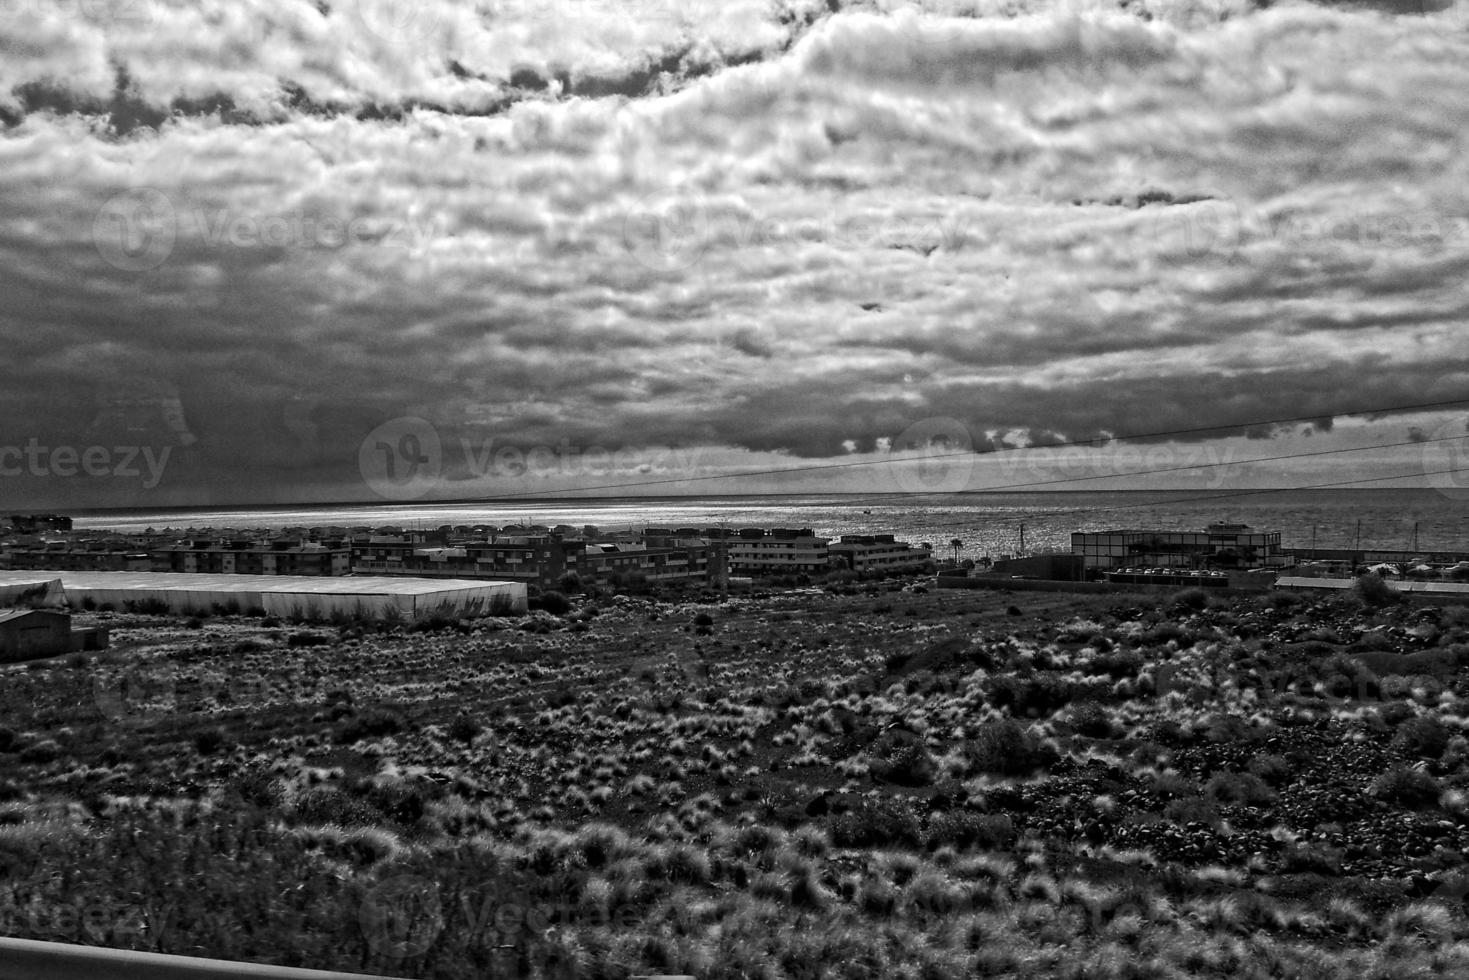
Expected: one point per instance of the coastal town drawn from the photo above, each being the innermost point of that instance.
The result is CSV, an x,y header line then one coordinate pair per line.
x,y
571,558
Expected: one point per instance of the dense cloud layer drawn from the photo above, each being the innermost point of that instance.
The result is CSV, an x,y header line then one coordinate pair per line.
x,y
712,238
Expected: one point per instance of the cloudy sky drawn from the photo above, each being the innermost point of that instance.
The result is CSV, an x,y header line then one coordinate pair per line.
x,y
329,250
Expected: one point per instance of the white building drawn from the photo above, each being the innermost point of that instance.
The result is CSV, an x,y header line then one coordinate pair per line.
x,y
861,552
779,551
306,596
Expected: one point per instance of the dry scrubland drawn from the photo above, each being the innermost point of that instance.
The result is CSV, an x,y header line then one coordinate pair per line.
x,y
873,784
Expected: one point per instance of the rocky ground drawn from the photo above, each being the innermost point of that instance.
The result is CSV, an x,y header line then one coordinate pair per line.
x,y
1311,756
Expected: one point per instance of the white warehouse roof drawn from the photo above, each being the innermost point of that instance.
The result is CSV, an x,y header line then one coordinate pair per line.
x,y
284,594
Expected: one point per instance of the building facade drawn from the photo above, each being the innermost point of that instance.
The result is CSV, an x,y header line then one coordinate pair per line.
x,y
778,551
1217,545
876,552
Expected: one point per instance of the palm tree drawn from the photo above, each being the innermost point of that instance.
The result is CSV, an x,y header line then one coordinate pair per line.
x,y
956,544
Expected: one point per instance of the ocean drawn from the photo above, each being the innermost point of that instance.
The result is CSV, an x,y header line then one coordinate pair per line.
x,y
988,524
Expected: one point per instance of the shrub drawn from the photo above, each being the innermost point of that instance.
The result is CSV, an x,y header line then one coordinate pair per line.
x,y
1189,600
1246,788
1231,729
1090,720
1040,694
1374,592
306,638
1283,601
329,805
257,787
703,619
965,828
208,741
901,757
877,823
569,583
1117,665
553,602
437,623
1423,737
373,723
42,752
1192,809
464,729
7,739
1271,768
1406,786
1004,748
401,802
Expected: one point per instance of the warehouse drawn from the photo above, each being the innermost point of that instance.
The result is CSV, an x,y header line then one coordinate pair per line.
x,y
305,596
30,634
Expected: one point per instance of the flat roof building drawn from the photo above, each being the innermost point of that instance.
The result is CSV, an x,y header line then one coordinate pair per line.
x,y
311,597
1218,544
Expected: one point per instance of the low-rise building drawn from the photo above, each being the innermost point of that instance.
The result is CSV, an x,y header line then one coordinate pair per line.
x,y
1218,544
877,552
778,551
30,634
241,556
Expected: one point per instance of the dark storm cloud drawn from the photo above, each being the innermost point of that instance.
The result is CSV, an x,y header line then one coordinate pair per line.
x,y
799,253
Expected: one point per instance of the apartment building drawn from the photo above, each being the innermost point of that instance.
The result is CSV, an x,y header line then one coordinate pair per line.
x,y
876,552
240,556
778,551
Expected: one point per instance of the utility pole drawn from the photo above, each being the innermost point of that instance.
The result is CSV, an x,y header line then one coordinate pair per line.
x,y
1021,552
